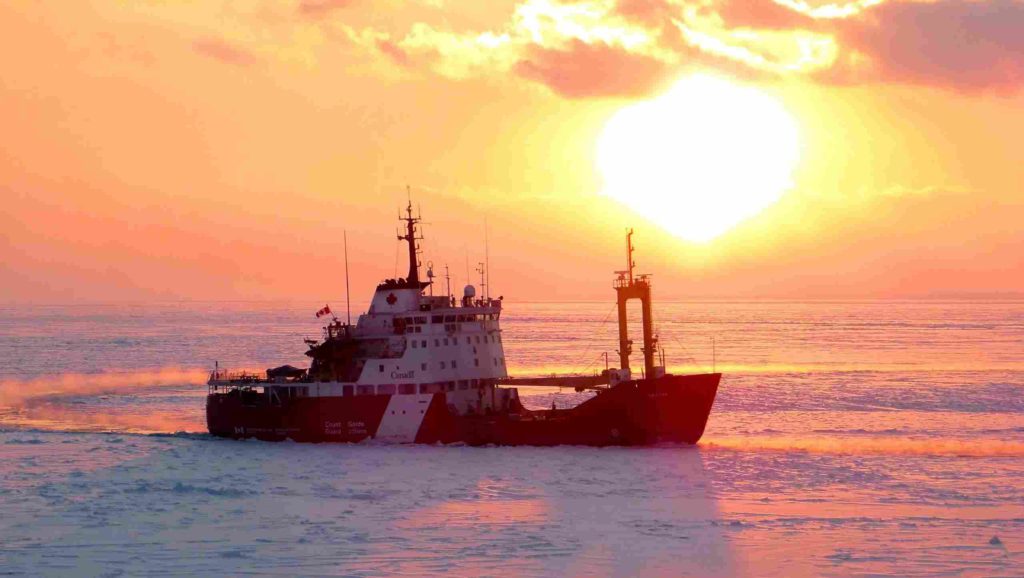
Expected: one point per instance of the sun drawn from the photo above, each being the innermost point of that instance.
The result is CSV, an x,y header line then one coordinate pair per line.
x,y
700,158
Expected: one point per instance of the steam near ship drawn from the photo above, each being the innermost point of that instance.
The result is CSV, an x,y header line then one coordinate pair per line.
x,y
419,368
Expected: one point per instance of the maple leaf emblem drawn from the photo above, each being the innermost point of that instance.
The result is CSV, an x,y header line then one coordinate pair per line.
x,y
391,299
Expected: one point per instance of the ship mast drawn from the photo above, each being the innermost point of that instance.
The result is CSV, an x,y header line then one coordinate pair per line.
x,y
413,278
448,281
348,301
629,286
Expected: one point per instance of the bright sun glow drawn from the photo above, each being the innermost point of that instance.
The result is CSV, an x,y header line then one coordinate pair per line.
x,y
700,158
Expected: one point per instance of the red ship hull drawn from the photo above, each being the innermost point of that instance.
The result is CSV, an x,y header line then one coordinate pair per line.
x,y
670,409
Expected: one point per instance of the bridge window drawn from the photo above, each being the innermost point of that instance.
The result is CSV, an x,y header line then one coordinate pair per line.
x,y
463,384
407,388
364,390
346,390
386,389
437,319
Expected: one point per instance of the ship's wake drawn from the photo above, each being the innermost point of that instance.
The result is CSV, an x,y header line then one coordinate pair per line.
x,y
171,401
167,400
874,445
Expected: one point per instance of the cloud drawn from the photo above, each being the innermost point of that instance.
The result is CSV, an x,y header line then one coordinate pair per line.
x,y
221,50
320,8
948,43
613,48
775,52
650,12
956,44
577,49
394,51
449,54
761,14
585,70
609,48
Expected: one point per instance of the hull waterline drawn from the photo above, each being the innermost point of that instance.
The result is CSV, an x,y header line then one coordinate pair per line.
x,y
670,409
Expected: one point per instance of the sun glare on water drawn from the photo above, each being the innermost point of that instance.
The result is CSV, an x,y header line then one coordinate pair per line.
x,y
700,158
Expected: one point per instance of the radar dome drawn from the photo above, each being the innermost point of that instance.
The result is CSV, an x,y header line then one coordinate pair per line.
x,y
469,291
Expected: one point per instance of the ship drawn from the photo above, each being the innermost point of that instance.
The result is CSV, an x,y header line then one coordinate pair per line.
x,y
426,369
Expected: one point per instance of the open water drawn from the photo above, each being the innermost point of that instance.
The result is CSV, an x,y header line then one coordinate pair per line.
x,y
877,438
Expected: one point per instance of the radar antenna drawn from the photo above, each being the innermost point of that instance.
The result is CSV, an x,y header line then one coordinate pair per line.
x,y
483,277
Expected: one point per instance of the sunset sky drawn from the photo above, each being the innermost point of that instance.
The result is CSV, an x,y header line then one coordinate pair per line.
x,y
164,150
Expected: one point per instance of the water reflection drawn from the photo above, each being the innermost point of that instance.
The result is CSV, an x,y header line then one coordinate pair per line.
x,y
578,512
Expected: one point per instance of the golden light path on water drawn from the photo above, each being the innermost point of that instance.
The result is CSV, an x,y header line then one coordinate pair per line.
x,y
700,158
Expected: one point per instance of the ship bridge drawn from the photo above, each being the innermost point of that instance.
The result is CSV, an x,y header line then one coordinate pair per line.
x,y
409,342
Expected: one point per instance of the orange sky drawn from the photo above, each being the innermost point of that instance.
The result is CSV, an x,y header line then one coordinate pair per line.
x,y
156,150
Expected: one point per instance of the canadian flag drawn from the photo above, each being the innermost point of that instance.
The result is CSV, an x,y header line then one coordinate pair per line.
x,y
325,311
